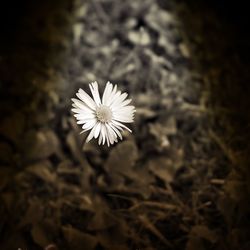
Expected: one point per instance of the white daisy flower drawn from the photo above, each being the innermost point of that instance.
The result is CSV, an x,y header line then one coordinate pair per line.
x,y
103,117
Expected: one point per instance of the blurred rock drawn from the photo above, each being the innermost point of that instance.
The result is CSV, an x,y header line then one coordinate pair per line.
x,y
6,173
40,235
122,158
39,145
13,126
77,240
163,168
6,153
140,37
42,170
51,247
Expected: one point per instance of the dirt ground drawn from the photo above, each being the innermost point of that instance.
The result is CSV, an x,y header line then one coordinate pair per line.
x,y
179,181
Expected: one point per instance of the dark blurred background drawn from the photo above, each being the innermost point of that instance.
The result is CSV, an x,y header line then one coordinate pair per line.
x,y
183,180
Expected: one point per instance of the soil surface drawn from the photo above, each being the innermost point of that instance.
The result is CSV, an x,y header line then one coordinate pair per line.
x,y
163,186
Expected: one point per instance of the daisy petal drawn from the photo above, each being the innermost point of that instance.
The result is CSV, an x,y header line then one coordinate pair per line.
x,y
107,135
103,130
121,125
106,93
116,131
123,104
86,99
100,139
112,96
81,105
95,92
119,100
84,116
97,129
91,134
89,124
79,111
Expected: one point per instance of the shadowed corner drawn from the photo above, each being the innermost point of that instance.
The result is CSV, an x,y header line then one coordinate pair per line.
x,y
222,55
35,40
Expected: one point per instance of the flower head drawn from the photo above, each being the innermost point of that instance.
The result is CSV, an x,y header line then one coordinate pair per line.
x,y
103,117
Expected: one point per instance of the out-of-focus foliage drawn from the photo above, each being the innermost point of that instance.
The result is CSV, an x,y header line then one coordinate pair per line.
x,y
163,187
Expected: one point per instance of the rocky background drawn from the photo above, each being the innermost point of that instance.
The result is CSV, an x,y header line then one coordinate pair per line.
x,y
179,181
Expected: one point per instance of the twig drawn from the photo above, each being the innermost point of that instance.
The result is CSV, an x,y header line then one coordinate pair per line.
x,y
154,204
151,227
121,197
217,181
227,151
100,12
206,204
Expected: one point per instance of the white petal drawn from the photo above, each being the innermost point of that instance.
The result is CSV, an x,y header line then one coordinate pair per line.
x,y
116,131
83,121
86,99
106,93
79,104
91,134
107,135
115,97
95,92
111,96
116,123
124,103
100,139
121,105
116,126
123,119
119,99
91,123
125,114
84,116
103,133
97,129
73,105
112,135
125,110
85,130
81,111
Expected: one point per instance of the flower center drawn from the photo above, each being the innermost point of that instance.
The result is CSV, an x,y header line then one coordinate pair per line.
x,y
103,113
